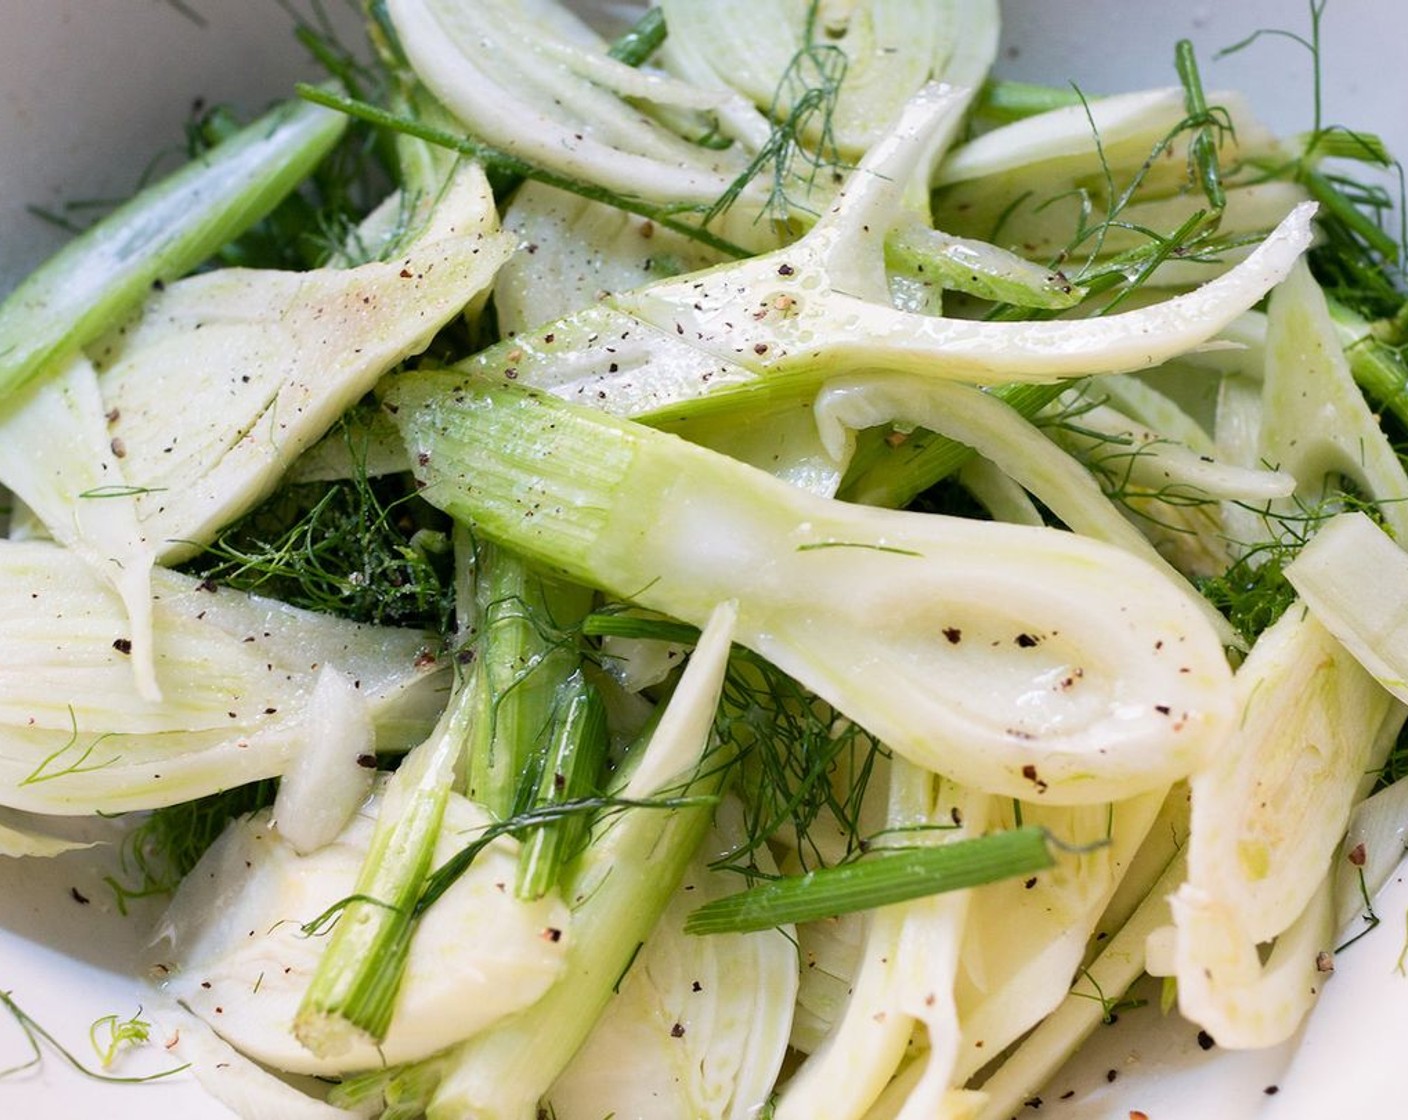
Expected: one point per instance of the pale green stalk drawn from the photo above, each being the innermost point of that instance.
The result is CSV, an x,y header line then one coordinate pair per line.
x,y
570,769
1378,366
523,653
962,264
161,234
877,880
1004,101
352,994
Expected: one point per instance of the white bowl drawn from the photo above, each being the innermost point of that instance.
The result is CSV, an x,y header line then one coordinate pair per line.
x,y
92,90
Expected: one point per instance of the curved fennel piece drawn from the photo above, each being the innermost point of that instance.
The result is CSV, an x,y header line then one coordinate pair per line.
x,y
1354,578
1114,168
22,835
162,233
250,354
326,781
905,976
1315,421
700,1025
890,49
1226,986
1268,813
242,1085
57,456
1180,495
578,251
1003,436
1026,939
477,955
824,300
1097,679
1041,1053
236,672
1155,460
534,80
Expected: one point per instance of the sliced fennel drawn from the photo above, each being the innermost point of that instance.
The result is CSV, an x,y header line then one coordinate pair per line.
x,y
699,1027
235,673
829,953
242,1085
23,835
906,971
1086,182
1025,939
573,251
1103,681
998,493
1000,434
99,459
1226,987
333,775
1375,843
1275,803
57,455
1178,497
1354,578
1156,404
249,418
1120,962
162,233
1156,462
1315,421
231,947
1267,816
890,49
535,81
824,301
681,728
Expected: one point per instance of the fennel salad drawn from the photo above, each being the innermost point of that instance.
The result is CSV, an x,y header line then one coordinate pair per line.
x,y
667,571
